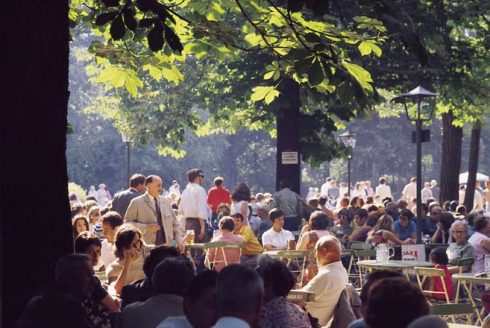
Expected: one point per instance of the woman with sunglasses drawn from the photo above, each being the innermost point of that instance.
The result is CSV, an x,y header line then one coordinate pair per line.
x,y
130,255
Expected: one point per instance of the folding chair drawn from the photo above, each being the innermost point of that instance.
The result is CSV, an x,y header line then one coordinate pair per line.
x,y
424,273
363,252
296,262
451,310
462,264
217,254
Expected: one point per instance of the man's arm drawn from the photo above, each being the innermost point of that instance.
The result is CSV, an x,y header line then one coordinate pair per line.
x,y
131,217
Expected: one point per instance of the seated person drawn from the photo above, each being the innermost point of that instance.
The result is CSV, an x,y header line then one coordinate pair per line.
x,y
442,235
343,229
460,248
100,302
276,237
130,253
382,232
405,227
388,301
251,246
438,257
365,224
171,280
111,221
330,281
61,305
141,290
215,256
277,311
199,306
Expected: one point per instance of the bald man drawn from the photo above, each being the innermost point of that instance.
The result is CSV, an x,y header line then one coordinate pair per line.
x,y
330,281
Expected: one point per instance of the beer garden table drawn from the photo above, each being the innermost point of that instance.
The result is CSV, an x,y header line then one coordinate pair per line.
x,y
404,266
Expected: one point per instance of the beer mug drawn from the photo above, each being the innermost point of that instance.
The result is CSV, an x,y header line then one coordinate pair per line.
x,y
190,236
384,253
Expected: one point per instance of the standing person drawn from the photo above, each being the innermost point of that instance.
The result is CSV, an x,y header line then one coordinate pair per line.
x,y
103,196
290,204
333,192
152,214
218,195
436,191
410,190
426,192
122,199
324,188
383,190
369,189
174,188
241,198
193,205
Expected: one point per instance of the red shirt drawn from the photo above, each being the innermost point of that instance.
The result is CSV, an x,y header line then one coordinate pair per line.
x,y
218,195
438,284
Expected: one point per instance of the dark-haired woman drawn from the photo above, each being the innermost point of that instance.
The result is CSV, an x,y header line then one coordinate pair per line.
x,y
79,225
130,253
241,197
277,310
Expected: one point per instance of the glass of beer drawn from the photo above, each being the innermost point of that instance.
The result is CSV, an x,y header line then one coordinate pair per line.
x,y
190,236
291,244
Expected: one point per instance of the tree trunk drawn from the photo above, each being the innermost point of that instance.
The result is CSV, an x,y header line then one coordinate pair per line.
x,y
35,226
472,165
451,158
288,144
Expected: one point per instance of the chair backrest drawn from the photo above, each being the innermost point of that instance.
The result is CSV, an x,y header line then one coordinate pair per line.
x,y
296,262
300,295
365,253
451,309
219,258
292,254
465,263
423,273
359,245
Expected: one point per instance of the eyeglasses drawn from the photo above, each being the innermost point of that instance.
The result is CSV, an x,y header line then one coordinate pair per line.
x,y
459,231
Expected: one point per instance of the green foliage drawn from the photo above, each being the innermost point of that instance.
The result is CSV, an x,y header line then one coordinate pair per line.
x,y
77,190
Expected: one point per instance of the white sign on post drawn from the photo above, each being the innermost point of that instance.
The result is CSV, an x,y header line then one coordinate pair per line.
x,y
289,157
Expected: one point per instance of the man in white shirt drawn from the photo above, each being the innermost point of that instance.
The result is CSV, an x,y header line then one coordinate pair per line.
x,y
426,192
239,297
174,188
410,190
193,205
110,222
383,190
276,237
330,281
324,188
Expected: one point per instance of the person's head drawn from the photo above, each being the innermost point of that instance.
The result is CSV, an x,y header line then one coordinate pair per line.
x,y
137,181
344,202
127,237
199,305
154,185
345,217
172,276
227,223
427,184
322,200
73,274
385,222
223,208
110,222
218,181
435,212
238,219
439,256
405,218
318,221
327,250
446,219
314,202
276,216
88,243
373,218
461,210
239,293
482,224
195,176
278,279
459,231
157,255
360,217
356,202
94,215
382,181
402,204
387,303
79,224
262,212
372,278
241,192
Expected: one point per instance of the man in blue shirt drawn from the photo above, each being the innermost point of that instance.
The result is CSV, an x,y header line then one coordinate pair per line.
x,y
405,228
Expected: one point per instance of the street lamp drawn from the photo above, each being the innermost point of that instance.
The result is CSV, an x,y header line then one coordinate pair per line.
x,y
349,140
419,106
126,138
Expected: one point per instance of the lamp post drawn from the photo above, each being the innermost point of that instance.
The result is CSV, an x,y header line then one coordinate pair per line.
x,y
419,106
349,140
126,138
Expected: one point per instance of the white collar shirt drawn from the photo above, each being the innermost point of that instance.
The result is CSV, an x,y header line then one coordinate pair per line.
x,y
193,202
277,239
327,285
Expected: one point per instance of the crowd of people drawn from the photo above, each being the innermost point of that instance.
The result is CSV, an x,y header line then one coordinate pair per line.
x,y
131,267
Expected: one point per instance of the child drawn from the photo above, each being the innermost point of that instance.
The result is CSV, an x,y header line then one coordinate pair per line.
x,y
439,258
